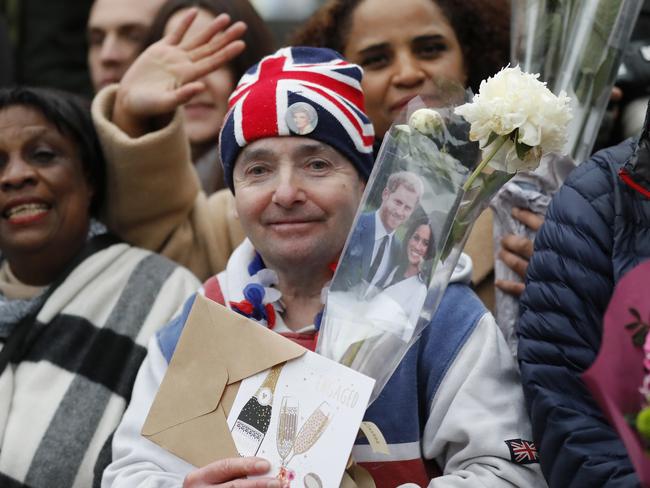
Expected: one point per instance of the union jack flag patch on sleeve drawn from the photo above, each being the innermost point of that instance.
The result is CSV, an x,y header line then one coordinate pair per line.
x,y
522,452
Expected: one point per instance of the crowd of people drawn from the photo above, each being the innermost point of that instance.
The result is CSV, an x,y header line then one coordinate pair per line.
x,y
208,156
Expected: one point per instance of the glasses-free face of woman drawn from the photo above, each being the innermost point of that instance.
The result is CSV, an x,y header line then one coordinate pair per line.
x,y
204,113
403,46
44,193
418,244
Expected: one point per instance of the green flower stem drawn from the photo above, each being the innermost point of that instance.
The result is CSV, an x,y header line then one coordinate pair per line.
x,y
483,164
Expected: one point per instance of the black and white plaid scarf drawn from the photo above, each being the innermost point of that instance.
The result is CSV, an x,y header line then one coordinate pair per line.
x,y
13,311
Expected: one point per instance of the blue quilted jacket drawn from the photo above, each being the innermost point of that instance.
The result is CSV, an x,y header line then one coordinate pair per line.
x,y
597,228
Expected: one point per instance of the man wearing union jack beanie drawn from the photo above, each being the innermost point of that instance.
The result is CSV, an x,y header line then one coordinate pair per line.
x,y
315,82
296,150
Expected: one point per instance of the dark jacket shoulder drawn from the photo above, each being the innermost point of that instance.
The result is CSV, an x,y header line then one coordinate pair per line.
x,y
595,230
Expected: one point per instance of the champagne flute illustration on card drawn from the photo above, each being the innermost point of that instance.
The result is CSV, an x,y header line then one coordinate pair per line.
x,y
253,421
312,430
287,427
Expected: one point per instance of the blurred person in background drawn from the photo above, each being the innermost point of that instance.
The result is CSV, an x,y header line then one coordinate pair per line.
x,y
462,42
204,113
154,184
77,305
6,59
48,43
116,33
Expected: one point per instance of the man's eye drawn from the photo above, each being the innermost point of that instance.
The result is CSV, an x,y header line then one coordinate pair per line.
x,y
257,170
95,38
318,164
136,35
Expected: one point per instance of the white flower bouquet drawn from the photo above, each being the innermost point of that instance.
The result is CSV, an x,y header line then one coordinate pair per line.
x,y
428,186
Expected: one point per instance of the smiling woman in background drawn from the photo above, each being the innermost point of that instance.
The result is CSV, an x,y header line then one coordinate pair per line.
x,y
462,42
76,305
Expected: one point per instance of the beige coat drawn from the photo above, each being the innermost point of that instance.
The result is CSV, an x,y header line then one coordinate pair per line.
x,y
154,199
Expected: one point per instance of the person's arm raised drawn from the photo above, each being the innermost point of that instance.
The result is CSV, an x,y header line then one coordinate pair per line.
x,y
154,200
167,73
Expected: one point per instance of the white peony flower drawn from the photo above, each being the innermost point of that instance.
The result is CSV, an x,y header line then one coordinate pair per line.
x,y
517,107
426,120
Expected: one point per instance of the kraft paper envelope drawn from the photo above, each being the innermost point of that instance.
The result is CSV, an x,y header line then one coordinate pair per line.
x,y
217,349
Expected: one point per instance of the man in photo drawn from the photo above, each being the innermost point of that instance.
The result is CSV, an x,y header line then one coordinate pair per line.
x,y
374,248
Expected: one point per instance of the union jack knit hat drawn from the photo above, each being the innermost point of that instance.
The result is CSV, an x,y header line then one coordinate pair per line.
x,y
299,91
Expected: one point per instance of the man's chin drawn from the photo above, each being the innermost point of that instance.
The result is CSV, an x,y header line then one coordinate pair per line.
x,y
298,255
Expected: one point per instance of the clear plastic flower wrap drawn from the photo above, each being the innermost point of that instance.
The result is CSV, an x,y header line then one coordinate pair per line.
x,y
577,47
377,307
427,188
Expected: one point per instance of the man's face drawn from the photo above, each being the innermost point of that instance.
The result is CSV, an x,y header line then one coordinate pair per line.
x,y
116,32
296,199
396,207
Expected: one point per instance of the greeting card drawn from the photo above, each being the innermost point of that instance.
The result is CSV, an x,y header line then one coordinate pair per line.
x,y
303,416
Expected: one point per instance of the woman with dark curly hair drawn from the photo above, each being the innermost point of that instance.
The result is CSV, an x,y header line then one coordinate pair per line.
x,y
406,47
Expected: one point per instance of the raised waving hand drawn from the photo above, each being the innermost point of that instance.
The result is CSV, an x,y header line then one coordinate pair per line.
x,y
167,74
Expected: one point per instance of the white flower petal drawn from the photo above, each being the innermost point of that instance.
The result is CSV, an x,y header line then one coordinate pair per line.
x,y
513,100
426,120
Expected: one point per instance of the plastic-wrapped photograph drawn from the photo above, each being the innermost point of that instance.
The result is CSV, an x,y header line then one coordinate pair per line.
x,y
397,254
432,178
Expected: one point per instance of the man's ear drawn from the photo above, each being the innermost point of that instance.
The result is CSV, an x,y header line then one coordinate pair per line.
x,y
385,194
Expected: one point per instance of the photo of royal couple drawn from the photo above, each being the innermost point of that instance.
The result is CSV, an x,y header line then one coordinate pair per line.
x,y
390,251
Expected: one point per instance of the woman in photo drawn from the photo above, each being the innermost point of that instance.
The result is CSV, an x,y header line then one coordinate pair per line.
x,y
407,283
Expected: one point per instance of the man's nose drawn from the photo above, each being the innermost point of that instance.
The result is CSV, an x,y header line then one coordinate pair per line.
x,y
113,49
289,189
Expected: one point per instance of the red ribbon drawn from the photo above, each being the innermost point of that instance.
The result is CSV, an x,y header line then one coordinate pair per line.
x,y
627,179
244,306
270,313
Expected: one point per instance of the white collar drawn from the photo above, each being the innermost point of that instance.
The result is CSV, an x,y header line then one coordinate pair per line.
x,y
380,230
